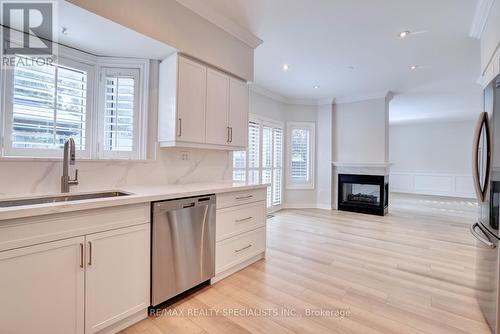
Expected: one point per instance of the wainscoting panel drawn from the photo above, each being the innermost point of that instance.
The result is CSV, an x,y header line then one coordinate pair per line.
x,y
428,183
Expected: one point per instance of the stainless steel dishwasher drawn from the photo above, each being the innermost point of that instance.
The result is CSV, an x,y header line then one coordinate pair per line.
x,y
183,245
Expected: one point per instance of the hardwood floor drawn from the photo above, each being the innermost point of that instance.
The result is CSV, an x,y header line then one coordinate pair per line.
x,y
408,272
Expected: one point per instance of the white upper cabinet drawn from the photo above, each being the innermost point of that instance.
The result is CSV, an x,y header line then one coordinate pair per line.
x,y
217,128
191,94
200,107
238,113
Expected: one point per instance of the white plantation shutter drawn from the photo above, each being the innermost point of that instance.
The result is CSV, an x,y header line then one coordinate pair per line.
x,y
49,104
120,114
277,164
253,144
239,166
263,159
301,155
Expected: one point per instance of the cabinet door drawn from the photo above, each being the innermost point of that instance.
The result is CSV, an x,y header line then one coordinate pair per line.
x,y
42,288
217,108
238,113
117,276
191,101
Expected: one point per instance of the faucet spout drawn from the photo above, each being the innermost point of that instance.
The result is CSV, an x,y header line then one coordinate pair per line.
x,y
69,158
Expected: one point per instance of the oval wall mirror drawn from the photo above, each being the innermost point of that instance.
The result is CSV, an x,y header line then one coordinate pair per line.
x,y
481,159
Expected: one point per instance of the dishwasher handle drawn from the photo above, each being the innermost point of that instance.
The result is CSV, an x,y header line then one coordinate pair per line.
x,y
485,241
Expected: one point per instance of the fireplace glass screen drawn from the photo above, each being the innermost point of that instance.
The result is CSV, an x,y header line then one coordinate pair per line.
x,y
365,194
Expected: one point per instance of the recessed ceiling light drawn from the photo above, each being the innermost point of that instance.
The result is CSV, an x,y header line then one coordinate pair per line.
x,y
285,67
414,67
404,34
315,86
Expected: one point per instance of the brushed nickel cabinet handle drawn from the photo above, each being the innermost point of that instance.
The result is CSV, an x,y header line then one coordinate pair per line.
x,y
90,253
81,255
242,249
243,219
180,127
244,197
228,136
231,134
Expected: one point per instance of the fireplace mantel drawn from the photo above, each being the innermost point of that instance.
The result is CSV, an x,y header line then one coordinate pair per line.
x,y
362,168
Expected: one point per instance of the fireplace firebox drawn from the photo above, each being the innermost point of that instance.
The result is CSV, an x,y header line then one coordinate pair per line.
x,y
363,193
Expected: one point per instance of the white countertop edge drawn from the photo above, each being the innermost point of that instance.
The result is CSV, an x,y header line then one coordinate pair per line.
x,y
139,194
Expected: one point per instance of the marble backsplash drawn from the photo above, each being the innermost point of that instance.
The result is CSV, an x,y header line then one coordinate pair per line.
x,y
42,177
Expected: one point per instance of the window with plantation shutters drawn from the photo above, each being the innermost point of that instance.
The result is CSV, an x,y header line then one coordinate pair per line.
x,y
263,159
300,155
97,101
120,113
45,105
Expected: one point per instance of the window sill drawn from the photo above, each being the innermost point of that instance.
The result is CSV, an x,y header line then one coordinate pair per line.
x,y
46,159
299,187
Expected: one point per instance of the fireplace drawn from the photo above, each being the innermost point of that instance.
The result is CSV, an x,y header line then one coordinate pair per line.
x,y
363,193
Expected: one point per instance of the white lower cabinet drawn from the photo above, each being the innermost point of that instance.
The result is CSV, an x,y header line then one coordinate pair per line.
x,y
42,288
241,231
78,284
116,276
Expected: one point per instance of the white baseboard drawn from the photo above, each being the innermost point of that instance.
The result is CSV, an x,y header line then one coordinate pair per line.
x,y
300,206
429,183
307,206
125,323
237,268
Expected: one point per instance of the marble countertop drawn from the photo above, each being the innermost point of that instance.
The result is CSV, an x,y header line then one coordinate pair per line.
x,y
138,194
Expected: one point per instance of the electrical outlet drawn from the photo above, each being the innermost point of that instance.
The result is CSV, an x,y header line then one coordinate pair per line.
x,y
184,156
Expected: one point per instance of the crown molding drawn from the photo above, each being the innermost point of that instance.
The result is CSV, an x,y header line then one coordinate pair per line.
x,y
267,93
290,101
358,98
481,14
226,24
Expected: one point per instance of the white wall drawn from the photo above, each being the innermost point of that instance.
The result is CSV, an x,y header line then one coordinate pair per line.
x,y
324,157
360,131
432,158
169,22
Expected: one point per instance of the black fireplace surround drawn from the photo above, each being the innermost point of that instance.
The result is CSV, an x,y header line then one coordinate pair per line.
x,y
363,193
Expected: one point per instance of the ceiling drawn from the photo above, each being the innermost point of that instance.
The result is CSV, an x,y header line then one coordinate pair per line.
x,y
92,33
351,50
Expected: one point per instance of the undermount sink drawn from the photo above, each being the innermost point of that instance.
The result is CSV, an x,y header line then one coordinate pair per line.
x,y
59,198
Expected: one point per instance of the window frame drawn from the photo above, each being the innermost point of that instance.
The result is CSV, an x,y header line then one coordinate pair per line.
x,y
94,65
310,184
7,115
140,71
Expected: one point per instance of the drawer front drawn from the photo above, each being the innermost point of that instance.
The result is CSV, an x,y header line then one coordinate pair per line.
x,y
231,252
225,200
240,219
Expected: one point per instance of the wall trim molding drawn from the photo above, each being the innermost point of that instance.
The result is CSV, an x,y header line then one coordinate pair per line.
x,y
481,14
286,100
365,97
432,183
223,22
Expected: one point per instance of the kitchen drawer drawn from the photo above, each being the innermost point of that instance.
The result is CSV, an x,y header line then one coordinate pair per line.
x,y
230,252
243,218
225,200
